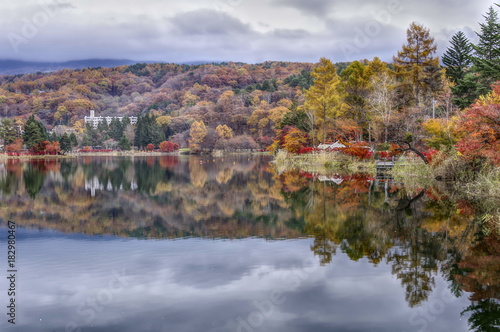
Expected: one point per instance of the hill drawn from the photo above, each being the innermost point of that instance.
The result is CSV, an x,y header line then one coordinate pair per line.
x,y
249,98
15,67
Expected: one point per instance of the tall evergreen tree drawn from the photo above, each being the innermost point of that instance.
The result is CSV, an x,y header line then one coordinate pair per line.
x,y
73,139
8,131
458,60
124,143
34,132
487,51
148,131
92,137
115,129
103,126
53,137
457,57
65,142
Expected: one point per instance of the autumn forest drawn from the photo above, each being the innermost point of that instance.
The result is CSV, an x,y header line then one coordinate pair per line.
x,y
419,100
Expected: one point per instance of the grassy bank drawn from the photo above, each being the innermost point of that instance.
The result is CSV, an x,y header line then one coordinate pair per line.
x,y
322,163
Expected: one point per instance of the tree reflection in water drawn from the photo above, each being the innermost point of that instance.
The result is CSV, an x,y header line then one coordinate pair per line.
x,y
419,233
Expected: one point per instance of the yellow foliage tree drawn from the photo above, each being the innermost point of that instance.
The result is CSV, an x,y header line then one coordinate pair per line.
x,y
224,131
324,99
79,126
197,133
443,131
189,99
164,120
295,140
277,114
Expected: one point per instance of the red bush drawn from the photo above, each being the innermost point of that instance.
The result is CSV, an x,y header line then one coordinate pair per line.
x,y
358,150
429,154
166,146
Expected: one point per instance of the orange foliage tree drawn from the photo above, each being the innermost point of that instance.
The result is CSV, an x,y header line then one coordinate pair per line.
x,y
53,148
15,146
480,129
290,139
167,146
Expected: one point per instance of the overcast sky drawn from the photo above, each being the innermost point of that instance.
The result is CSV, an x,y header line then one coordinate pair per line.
x,y
225,30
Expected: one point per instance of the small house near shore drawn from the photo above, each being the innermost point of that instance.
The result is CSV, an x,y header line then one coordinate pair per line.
x,y
336,145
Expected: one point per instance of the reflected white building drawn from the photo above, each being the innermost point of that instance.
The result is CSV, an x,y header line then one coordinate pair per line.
x,y
95,120
94,184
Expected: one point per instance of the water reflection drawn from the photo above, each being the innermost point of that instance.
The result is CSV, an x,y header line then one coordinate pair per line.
x,y
423,236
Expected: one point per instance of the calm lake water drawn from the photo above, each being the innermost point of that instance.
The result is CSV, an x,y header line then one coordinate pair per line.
x,y
226,244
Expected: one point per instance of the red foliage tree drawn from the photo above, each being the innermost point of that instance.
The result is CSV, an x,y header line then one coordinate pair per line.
x,y
480,129
359,150
52,148
167,146
150,147
39,148
15,146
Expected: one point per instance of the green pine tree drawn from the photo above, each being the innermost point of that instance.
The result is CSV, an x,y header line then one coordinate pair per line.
x,y
73,139
465,92
115,129
487,51
457,57
53,137
124,143
8,131
34,132
65,143
148,131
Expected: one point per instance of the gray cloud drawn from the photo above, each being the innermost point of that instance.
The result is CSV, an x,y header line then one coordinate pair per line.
x,y
290,30
290,34
319,8
64,5
207,22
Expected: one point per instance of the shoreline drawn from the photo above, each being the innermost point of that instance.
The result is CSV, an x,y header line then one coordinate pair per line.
x,y
4,156
91,154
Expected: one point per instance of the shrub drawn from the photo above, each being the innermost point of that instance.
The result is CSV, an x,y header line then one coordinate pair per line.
x,y
167,146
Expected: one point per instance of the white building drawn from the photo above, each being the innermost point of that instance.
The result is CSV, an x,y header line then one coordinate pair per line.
x,y
95,120
336,145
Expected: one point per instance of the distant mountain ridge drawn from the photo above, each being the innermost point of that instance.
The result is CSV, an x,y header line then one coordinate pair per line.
x,y
16,67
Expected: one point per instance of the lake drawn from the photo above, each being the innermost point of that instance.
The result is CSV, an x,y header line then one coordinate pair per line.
x,y
185,243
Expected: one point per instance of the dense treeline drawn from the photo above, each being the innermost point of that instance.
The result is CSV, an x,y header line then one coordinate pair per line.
x,y
413,101
413,104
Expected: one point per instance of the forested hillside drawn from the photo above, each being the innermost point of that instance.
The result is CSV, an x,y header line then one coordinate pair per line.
x,y
225,93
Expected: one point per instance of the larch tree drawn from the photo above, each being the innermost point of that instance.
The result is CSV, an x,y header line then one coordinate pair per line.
x,y
356,85
197,135
224,132
416,62
324,99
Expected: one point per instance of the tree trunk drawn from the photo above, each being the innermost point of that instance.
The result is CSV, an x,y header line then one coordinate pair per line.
x,y
420,154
